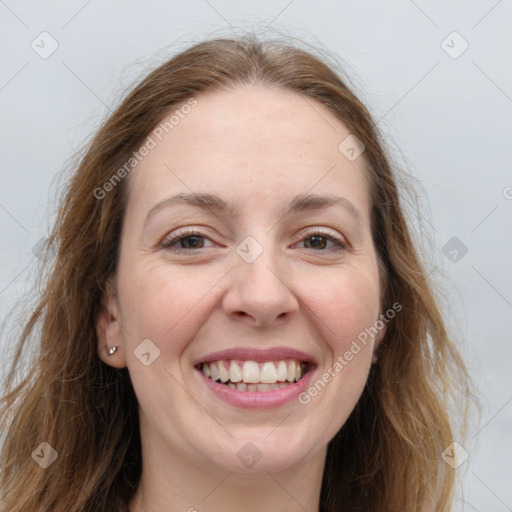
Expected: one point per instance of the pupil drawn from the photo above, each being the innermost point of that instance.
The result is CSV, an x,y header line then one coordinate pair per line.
x,y
195,241
318,241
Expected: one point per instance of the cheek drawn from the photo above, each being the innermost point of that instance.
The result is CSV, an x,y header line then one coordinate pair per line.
x,y
345,305
163,304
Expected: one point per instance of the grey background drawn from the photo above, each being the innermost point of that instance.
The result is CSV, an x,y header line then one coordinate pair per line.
x,y
448,121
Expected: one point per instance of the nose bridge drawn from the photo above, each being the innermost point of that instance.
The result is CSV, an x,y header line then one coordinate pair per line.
x,y
259,288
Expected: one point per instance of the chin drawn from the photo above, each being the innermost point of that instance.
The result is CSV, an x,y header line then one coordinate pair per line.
x,y
265,450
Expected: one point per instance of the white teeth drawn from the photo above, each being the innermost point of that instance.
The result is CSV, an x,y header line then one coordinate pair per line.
x,y
247,376
223,373
268,374
281,371
251,372
214,369
235,372
290,374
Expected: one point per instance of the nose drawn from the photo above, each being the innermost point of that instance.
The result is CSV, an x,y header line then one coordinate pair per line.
x,y
259,294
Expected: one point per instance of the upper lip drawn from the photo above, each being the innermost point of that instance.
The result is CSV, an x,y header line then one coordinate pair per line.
x,y
256,354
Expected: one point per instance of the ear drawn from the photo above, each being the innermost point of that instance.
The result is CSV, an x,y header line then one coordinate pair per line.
x,y
109,330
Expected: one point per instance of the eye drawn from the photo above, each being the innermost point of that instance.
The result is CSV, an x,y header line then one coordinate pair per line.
x,y
186,240
318,240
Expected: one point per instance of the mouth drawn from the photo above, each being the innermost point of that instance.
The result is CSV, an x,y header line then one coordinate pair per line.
x,y
251,376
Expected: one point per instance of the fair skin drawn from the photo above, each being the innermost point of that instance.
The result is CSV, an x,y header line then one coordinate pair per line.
x,y
256,148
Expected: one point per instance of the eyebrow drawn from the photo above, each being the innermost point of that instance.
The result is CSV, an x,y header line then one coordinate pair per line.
x,y
214,203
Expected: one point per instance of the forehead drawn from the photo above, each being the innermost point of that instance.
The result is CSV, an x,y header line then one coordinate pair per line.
x,y
253,142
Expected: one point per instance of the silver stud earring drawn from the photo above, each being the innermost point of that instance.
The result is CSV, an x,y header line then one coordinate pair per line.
x,y
112,350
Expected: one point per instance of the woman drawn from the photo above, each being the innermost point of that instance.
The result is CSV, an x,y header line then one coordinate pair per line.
x,y
237,318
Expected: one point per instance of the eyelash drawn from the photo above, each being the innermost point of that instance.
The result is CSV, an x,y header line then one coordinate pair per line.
x,y
169,242
341,245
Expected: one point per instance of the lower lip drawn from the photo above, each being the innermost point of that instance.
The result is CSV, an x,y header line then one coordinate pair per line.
x,y
258,399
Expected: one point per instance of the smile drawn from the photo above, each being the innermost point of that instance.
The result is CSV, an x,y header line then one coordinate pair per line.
x,y
252,376
256,378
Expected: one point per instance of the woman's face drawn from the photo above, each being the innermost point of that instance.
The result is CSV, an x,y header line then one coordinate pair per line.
x,y
267,275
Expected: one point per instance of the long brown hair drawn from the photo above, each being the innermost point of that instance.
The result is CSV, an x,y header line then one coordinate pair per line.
x,y
387,456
